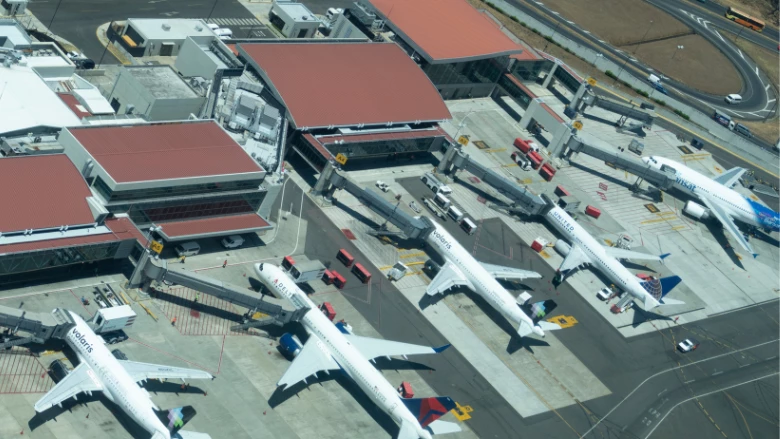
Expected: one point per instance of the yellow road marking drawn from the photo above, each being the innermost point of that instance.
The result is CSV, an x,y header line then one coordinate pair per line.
x,y
412,255
495,150
563,321
461,412
148,311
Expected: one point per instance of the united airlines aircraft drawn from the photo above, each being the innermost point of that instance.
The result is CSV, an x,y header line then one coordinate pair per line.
x,y
331,347
585,249
720,201
100,371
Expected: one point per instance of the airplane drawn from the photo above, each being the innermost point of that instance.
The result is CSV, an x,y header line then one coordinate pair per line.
x,y
461,269
99,370
720,201
585,249
331,347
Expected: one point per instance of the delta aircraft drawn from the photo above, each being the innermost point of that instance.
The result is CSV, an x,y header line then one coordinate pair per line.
x,y
331,347
461,269
100,371
720,200
585,249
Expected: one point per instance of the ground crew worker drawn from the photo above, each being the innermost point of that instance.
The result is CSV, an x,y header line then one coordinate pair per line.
x,y
183,257
173,321
224,264
197,297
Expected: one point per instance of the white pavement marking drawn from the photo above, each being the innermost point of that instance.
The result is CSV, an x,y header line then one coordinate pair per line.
x,y
669,370
717,373
756,70
740,54
706,394
570,22
556,13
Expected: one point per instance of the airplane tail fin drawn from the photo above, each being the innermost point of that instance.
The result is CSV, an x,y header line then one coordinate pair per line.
x,y
174,419
658,289
539,310
427,410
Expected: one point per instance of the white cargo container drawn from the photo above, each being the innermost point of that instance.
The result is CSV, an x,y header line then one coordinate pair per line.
x,y
113,319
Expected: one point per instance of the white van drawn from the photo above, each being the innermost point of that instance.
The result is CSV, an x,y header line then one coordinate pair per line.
x,y
232,241
655,80
468,225
435,184
223,32
733,99
455,213
212,26
191,248
442,201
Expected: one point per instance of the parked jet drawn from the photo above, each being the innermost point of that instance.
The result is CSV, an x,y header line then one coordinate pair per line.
x,y
330,347
461,269
585,249
99,370
720,201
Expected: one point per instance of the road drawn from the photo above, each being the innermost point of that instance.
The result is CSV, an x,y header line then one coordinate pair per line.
x,y
78,20
756,103
620,364
715,13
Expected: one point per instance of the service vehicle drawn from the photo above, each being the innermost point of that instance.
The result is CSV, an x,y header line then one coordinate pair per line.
x,y
414,207
604,294
232,241
688,345
190,248
382,186
435,184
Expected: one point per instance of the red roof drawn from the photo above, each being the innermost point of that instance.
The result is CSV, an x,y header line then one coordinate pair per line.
x,y
75,106
121,228
446,29
213,226
42,192
347,84
164,151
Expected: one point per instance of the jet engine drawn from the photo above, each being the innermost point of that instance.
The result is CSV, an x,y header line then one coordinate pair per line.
x,y
697,211
290,345
562,247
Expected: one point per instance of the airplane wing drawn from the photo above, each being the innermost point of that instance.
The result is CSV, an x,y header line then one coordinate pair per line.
x,y
310,360
730,177
81,379
145,371
449,276
728,224
574,259
509,273
373,347
619,253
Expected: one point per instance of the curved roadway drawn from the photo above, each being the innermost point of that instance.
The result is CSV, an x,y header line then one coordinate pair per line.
x,y
758,96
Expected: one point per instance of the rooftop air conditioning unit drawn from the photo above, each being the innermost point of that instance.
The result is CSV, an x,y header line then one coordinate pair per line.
x,y
166,26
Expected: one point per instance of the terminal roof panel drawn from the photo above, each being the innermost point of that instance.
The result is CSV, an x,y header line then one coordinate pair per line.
x,y
214,226
165,151
121,229
346,84
446,30
41,192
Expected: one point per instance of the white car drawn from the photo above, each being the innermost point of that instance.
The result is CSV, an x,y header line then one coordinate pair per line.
x,y
733,99
212,26
604,294
688,345
382,186
414,207
233,241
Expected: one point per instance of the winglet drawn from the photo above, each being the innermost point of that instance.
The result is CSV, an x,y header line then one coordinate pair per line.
x,y
664,256
441,349
755,255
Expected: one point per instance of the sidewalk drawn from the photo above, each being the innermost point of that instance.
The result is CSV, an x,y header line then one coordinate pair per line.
x,y
105,41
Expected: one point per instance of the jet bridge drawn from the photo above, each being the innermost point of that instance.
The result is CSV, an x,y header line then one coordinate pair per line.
x,y
37,327
524,201
332,179
621,160
588,98
149,268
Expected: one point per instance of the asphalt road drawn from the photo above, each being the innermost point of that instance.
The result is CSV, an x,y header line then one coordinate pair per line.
x,y
77,20
755,104
716,14
622,365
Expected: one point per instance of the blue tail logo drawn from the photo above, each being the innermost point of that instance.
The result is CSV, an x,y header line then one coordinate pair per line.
x,y
659,288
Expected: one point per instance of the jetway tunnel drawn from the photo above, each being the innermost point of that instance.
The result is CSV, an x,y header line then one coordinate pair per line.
x,y
37,327
279,311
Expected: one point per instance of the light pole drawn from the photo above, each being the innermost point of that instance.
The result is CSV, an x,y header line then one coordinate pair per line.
x,y
551,36
462,123
675,50
212,9
643,38
633,53
54,15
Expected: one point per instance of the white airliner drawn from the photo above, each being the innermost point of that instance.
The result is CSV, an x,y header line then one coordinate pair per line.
x,y
461,269
585,249
332,348
99,370
722,202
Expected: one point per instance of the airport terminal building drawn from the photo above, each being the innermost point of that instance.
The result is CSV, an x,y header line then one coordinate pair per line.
x,y
363,103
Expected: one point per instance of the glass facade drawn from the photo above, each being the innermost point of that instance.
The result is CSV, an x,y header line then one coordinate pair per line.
x,y
566,79
382,148
529,70
50,258
518,94
148,212
484,71
173,191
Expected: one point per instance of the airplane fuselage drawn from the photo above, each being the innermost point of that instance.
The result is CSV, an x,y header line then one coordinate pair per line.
x,y
333,344
606,264
118,385
484,283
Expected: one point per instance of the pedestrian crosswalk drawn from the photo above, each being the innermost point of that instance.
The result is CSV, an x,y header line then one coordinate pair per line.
x,y
235,21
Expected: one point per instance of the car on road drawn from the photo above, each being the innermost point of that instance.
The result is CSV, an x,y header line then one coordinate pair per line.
x,y
604,294
661,88
733,99
414,207
688,345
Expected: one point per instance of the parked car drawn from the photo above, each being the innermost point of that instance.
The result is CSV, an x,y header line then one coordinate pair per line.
x,y
604,294
232,241
688,345
415,207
